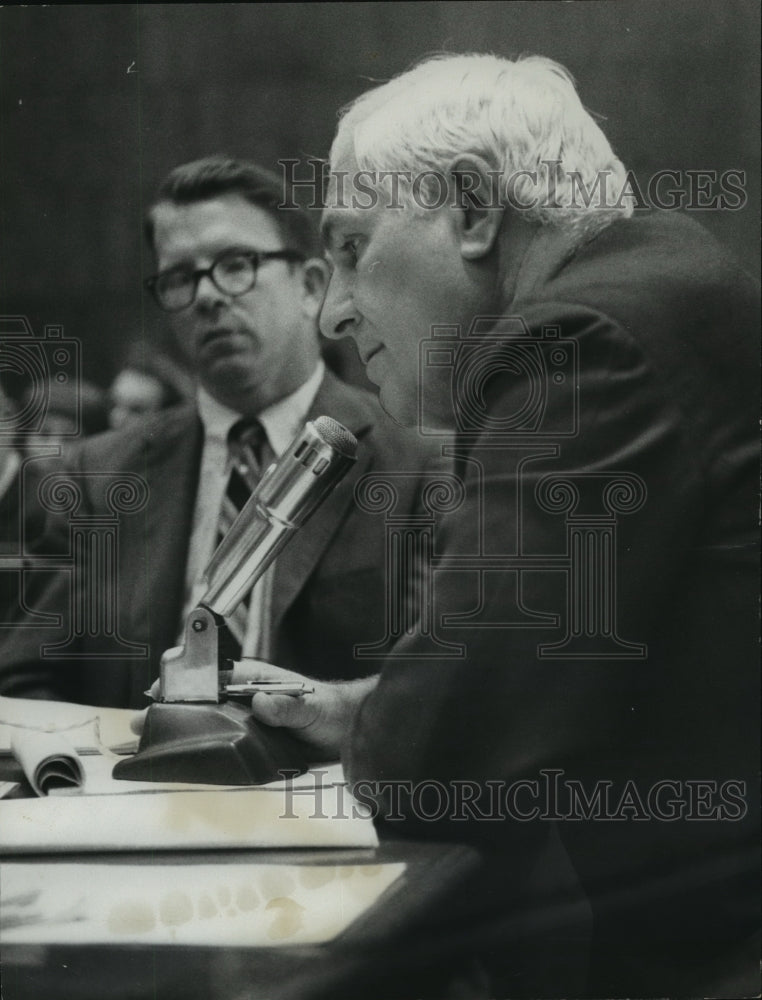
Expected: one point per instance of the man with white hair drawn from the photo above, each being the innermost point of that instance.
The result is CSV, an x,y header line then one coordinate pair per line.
x,y
598,367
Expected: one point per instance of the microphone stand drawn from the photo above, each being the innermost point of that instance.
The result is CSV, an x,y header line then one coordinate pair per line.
x,y
195,732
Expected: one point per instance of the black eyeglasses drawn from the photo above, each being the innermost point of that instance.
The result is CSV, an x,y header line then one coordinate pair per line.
x,y
233,272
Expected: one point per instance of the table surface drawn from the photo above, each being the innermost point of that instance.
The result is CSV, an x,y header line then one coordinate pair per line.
x,y
131,972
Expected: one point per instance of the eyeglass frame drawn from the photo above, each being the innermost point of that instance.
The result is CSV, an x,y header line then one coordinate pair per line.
x,y
255,257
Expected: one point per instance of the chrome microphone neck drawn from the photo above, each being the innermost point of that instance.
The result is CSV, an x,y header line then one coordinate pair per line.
x,y
287,495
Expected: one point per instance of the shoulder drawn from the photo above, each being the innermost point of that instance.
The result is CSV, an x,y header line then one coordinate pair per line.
x,y
661,286
148,438
659,262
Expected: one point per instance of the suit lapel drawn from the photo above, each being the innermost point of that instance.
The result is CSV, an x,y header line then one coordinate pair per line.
x,y
171,473
297,561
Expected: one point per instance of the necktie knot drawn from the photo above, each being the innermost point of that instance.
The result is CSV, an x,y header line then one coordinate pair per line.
x,y
247,431
246,441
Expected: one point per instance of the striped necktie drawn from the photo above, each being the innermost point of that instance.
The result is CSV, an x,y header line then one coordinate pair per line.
x,y
247,444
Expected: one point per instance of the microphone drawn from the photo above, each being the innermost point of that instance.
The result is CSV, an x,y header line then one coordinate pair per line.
x,y
287,495
190,734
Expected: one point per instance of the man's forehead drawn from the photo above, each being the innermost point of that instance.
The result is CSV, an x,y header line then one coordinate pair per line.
x,y
228,218
229,207
358,201
337,219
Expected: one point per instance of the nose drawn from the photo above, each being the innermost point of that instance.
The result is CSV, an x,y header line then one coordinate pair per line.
x,y
208,296
338,316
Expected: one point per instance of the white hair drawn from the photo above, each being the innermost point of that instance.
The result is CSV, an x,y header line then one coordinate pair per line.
x,y
524,118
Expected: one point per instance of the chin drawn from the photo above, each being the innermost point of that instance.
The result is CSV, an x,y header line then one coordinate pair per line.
x,y
232,387
401,407
229,368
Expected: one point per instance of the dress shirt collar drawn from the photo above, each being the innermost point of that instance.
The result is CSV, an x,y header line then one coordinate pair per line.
x,y
281,420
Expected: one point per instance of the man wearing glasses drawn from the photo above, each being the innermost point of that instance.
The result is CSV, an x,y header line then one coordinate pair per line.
x,y
237,278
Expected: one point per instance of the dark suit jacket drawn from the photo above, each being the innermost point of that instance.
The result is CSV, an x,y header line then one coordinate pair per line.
x,y
665,326
20,534
329,583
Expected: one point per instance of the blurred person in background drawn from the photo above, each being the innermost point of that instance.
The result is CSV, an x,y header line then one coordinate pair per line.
x,y
148,381
19,478
10,463
71,411
74,410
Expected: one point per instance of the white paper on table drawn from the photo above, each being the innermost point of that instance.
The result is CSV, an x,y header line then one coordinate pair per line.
x,y
87,728
225,904
319,816
48,760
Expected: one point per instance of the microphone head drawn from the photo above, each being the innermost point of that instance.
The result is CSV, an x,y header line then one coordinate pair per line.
x,y
318,457
337,436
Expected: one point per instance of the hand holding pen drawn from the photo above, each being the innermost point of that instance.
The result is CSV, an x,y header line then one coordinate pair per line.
x,y
320,712
292,689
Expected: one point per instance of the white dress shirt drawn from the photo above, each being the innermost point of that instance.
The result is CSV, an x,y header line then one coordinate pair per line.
x,y
281,422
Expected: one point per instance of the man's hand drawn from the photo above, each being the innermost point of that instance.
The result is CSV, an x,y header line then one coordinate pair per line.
x,y
322,718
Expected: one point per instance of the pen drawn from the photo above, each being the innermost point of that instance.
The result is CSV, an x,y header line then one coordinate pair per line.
x,y
295,690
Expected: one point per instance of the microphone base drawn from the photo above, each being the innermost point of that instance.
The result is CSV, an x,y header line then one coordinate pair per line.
x,y
210,743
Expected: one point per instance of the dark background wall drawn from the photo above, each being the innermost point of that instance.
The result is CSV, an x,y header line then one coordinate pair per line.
x,y
97,103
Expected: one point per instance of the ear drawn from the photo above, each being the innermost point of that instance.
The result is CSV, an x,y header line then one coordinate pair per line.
x,y
477,209
315,277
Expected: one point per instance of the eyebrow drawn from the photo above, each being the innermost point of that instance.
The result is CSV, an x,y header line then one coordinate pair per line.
x,y
187,263
344,219
328,225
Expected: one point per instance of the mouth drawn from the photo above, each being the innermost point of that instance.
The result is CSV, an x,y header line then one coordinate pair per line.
x,y
219,333
367,355
224,343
